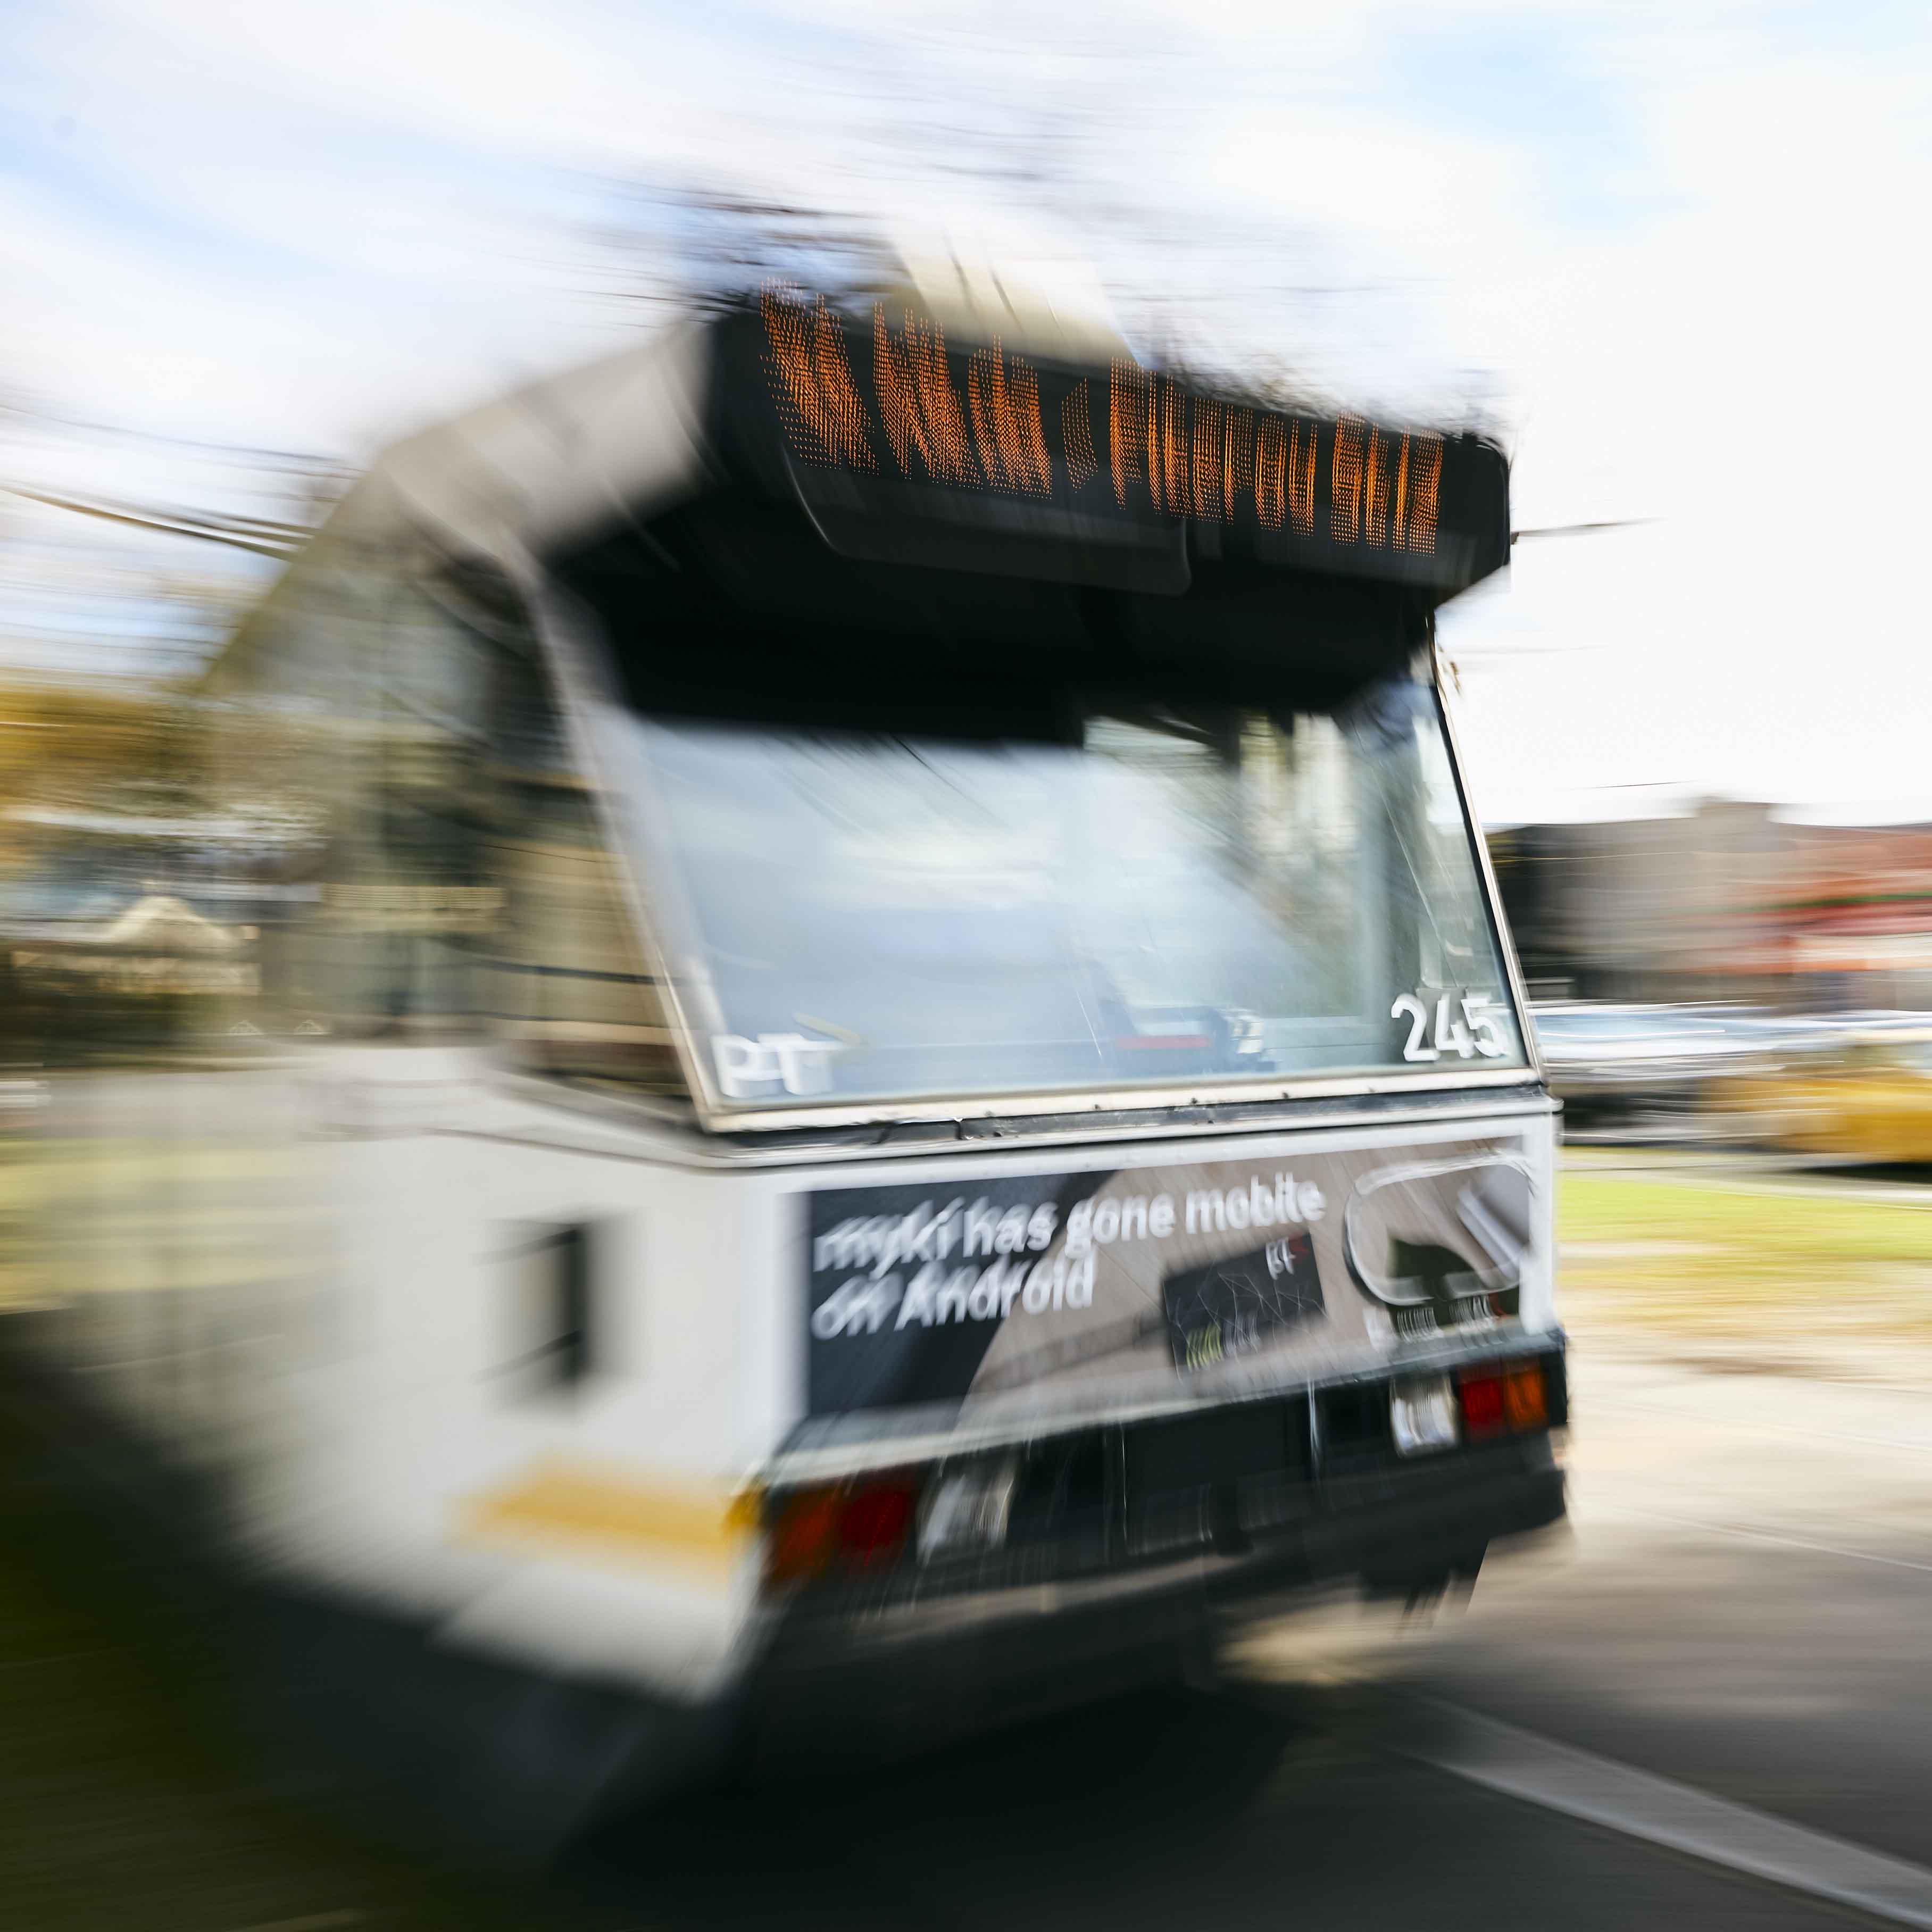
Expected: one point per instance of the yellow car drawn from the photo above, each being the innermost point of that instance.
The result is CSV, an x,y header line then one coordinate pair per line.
x,y
1870,1099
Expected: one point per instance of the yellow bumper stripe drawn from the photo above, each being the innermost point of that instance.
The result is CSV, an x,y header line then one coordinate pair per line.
x,y
566,1506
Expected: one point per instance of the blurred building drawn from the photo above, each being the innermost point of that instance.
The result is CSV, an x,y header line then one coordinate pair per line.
x,y
1730,902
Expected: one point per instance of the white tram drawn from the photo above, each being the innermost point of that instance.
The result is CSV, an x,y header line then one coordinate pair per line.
x,y
899,1092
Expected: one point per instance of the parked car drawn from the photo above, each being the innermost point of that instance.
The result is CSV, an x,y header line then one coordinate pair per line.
x,y
1602,1058
1866,1097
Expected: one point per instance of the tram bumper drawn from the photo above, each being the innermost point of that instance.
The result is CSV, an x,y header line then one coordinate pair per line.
x,y
904,1660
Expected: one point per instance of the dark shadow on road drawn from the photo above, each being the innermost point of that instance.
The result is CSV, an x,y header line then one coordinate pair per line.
x,y
1063,1805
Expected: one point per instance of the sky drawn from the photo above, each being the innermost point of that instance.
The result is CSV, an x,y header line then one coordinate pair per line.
x,y
1672,255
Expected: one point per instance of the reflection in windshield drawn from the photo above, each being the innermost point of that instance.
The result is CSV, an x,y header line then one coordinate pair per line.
x,y
1175,899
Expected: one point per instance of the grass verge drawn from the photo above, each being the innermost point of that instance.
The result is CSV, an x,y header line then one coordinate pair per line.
x,y
1726,1260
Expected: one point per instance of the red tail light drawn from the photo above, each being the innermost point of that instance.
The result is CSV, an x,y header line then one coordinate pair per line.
x,y
1507,1400
1482,1398
803,1537
834,1527
875,1523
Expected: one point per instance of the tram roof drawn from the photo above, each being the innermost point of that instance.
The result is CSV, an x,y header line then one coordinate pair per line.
x,y
552,462
1010,444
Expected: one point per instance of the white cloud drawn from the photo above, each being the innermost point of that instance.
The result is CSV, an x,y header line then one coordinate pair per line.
x,y
1426,202
554,79
1695,292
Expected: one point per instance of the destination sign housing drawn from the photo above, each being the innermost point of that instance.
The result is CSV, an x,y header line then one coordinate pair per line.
x,y
902,446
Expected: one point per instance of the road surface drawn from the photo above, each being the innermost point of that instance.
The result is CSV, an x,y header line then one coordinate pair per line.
x,y
1709,1706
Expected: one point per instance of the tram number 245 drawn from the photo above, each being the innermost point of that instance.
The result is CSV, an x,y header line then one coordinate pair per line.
x,y
1473,1030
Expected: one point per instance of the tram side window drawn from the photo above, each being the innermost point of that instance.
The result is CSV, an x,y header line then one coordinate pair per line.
x,y
353,717
411,899
453,879
566,982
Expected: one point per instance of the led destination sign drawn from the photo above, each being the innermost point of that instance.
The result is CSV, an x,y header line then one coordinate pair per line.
x,y
885,426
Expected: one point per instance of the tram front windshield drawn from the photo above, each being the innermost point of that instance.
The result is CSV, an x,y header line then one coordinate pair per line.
x,y
1166,900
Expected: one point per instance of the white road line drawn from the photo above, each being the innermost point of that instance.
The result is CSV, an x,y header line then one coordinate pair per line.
x,y
1759,1536
1602,1792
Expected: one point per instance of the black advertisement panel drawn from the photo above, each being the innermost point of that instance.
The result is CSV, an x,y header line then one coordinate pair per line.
x,y
925,1293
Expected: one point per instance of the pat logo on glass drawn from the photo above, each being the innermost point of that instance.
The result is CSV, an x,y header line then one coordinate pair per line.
x,y
748,1068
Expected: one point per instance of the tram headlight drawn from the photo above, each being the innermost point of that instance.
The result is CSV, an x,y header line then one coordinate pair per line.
x,y
967,1508
1422,1414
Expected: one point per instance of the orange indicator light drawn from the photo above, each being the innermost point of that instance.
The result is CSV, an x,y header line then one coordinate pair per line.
x,y
1524,1401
